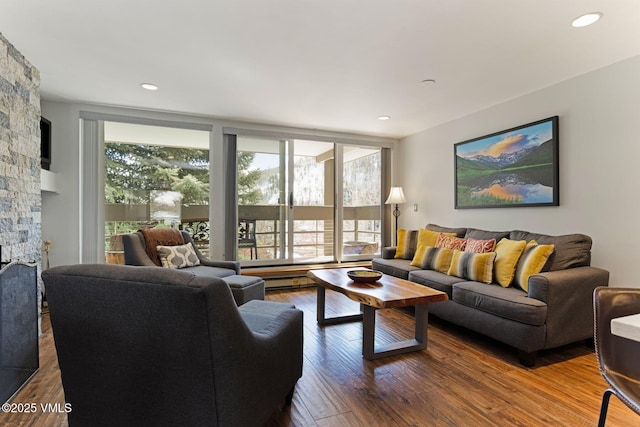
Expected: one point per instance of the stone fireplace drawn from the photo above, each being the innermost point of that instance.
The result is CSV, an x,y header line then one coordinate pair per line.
x,y
20,200
20,207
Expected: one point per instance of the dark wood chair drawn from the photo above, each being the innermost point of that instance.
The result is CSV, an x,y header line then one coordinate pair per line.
x,y
247,236
617,356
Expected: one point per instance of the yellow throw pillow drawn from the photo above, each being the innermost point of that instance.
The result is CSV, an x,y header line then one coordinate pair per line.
x,y
531,262
407,244
472,266
429,238
507,254
430,258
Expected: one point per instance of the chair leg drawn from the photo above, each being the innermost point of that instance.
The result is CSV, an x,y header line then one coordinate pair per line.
x,y
289,398
604,407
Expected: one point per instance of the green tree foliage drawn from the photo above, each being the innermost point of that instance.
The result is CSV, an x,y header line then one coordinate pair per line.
x,y
248,193
133,170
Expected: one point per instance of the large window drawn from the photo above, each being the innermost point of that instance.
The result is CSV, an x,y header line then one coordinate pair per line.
x,y
154,177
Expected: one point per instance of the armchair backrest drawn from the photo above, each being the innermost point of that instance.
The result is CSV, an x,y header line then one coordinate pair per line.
x,y
615,354
143,345
135,248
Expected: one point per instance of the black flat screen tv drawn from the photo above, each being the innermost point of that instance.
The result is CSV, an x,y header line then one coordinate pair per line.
x,y
45,143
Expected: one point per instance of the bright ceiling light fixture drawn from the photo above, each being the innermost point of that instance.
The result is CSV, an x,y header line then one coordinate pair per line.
x,y
384,117
149,86
586,19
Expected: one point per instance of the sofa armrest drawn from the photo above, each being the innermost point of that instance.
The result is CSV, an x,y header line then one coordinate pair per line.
x,y
389,252
569,298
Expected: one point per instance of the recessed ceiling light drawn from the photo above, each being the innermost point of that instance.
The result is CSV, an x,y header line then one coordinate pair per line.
x,y
149,86
384,117
586,19
427,81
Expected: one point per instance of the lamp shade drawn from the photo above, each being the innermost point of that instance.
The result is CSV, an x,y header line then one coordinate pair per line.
x,y
395,196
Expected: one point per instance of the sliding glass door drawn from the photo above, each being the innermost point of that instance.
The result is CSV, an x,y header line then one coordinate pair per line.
x,y
361,204
285,193
287,206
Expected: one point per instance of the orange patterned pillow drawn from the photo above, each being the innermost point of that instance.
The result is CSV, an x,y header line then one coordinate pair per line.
x,y
480,246
450,242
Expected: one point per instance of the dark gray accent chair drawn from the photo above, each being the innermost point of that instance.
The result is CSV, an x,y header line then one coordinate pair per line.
x,y
135,254
617,356
145,346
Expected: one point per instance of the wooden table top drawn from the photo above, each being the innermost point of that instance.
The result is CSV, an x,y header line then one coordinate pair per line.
x,y
388,292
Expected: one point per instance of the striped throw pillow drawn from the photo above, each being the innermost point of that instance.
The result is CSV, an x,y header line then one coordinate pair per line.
x,y
531,262
407,244
431,258
472,266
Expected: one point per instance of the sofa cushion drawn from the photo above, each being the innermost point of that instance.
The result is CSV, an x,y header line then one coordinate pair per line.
x,y
472,266
510,303
432,258
460,232
179,256
571,250
531,262
435,280
480,246
393,267
507,254
407,244
475,233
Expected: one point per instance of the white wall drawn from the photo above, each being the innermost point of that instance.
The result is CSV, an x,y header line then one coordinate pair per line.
x,y
599,167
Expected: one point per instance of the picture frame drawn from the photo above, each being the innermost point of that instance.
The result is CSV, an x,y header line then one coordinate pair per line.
x,y
516,167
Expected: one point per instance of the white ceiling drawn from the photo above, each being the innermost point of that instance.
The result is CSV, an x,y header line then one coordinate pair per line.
x,y
326,64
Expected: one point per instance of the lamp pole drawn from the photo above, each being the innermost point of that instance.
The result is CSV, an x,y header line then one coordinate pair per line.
x,y
396,196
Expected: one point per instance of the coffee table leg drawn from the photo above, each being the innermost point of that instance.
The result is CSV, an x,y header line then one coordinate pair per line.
x,y
320,308
368,335
320,305
422,324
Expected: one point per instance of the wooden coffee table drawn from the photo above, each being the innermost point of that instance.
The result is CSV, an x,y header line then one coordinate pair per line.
x,y
388,292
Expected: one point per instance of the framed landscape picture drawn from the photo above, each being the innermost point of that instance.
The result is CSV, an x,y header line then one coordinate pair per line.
x,y
513,168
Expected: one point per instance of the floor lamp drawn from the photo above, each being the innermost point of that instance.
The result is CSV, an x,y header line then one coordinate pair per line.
x,y
396,196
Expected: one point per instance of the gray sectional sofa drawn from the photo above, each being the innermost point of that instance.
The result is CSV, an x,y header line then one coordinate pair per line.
x,y
556,310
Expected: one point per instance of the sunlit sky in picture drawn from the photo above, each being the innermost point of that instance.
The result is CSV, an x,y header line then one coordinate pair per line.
x,y
506,143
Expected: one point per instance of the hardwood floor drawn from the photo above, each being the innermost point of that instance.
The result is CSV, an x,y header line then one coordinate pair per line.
x,y
461,379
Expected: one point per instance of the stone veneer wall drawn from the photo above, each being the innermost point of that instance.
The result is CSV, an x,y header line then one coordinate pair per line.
x,y
20,198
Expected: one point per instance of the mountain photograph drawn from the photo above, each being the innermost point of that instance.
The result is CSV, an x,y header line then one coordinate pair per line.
x,y
517,167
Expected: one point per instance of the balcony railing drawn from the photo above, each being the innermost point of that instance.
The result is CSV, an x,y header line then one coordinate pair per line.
x,y
313,229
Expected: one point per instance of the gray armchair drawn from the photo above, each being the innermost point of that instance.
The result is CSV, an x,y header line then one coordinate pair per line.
x,y
135,254
146,346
